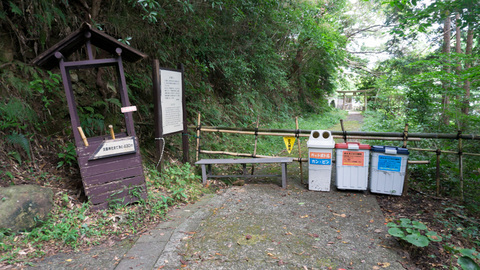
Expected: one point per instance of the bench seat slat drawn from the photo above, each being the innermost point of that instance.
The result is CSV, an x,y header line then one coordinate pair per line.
x,y
245,161
208,162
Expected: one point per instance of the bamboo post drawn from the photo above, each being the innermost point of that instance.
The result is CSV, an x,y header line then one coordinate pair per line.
x,y
365,101
460,164
198,136
405,136
82,135
407,176
437,173
299,150
343,130
112,133
256,139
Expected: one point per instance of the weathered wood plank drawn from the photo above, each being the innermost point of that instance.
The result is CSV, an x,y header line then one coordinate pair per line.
x,y
110,176
119,196
245,161
105,165
128,199
114,185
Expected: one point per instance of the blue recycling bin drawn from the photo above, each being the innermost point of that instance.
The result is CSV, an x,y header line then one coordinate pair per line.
x,y
388,169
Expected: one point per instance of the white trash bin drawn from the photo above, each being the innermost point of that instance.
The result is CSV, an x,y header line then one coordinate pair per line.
x,y
387,171
352,165
320,147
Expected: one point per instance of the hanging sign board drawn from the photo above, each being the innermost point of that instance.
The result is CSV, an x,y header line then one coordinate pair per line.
x,y
110,148
289,142
129,109
171,89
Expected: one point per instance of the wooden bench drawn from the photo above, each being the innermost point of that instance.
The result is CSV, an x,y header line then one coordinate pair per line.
x,y
207,167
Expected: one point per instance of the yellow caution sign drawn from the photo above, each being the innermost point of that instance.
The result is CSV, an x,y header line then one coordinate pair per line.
x,y
289,142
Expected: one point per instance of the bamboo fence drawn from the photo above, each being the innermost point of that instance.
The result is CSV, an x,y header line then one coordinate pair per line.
x,y
404,136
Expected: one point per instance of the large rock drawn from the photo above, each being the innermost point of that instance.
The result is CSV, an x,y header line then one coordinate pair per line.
x,y
23,207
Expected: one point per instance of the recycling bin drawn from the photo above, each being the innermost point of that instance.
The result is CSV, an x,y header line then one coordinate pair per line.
x,y
352,165
388,168
320,147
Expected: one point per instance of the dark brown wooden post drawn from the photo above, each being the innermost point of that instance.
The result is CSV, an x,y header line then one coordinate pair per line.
x,y
157,108
185,126
72,106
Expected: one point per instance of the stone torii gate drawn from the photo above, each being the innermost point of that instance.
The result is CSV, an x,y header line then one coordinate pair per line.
x,y
110,166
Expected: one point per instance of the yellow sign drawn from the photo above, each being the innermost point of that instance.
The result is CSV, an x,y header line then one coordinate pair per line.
x,y
289,142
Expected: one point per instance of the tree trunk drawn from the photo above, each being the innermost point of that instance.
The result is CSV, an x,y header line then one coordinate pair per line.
x,y
466,85
446,50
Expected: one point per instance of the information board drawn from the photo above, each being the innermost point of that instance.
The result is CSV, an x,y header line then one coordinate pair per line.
x,y
389,163
171,89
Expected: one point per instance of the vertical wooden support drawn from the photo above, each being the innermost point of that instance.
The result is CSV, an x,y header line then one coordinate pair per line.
x,y
72,106
437,173
198,137
365,101
157,108
407,176
460,164
343,105
256,139
122,84
405,136
297,134
185,144
343,130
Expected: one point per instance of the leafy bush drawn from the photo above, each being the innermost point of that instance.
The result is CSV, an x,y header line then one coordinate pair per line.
x,y
413,232
68,157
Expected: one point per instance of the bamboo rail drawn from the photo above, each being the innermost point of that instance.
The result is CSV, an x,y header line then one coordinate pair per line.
x,y
404,136
306,133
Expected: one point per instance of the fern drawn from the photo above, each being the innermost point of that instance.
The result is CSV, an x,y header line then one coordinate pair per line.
x,y
19,139
14,113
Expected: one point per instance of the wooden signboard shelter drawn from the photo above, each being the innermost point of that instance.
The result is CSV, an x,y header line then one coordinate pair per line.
x,y
110,166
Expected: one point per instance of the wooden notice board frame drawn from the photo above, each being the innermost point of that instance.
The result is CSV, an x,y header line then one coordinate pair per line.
x,y
159,106
115,176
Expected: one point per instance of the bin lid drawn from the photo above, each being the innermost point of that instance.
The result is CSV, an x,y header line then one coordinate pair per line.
x,y
390,150
321,139
352,146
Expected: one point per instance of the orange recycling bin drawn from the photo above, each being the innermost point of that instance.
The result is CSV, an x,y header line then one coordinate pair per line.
x,y
352,165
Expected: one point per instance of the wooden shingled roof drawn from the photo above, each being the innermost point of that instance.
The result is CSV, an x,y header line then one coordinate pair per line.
x,y
77,39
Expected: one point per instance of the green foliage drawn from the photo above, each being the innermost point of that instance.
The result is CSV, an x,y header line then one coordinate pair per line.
x,y
20,140
46,88
413,232
180,181
91,121
468,258
68,156
15,115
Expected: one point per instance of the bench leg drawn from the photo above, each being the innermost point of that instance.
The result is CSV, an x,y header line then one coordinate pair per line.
x,y
204,175
284,175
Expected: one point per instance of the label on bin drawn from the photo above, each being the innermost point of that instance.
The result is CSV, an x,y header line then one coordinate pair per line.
x,y
353,158
319,158
389,163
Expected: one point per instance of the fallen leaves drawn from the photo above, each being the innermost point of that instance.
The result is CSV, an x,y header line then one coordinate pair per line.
x,y
340,215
